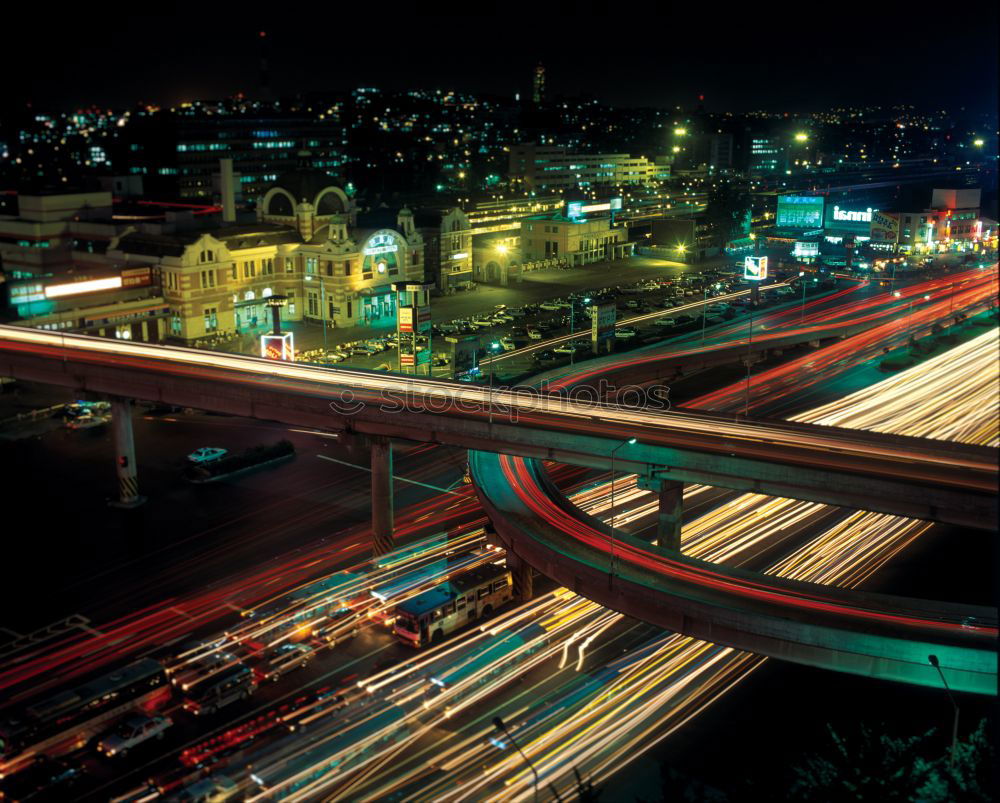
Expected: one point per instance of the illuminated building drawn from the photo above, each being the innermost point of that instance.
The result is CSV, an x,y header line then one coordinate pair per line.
x,y
767,154
507,214
579,240
538,85
178,151
546,168
447,236
306,244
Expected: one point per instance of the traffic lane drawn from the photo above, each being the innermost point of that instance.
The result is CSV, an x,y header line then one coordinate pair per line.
x,y
333,668
185,536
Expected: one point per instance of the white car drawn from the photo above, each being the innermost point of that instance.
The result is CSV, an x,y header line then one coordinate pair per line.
x,y
87,420
131,731
625,332
207,454
534,334
507,344
569,348
665,322
550,306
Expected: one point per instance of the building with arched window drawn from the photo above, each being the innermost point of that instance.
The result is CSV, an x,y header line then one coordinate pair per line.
x,y
306,244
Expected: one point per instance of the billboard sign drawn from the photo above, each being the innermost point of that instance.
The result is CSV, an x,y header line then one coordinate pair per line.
x,y
414,319
857,219
137,277
884,228
800,211
755,268
575,209
602,325
277,347
804,248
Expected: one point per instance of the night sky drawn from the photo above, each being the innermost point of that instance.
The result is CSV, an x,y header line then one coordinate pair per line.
x,y
806,57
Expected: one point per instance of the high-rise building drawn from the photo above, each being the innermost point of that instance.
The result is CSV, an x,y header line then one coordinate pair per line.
x,y
538,85
546,168
767,154
177,152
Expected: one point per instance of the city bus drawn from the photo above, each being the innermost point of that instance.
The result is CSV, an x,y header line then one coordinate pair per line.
x,y
64,721
429,617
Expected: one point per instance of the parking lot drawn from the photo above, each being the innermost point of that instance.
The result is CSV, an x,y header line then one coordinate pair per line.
x,y
522,331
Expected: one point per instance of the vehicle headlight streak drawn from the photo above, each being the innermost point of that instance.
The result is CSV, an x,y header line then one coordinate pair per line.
x,y
598,736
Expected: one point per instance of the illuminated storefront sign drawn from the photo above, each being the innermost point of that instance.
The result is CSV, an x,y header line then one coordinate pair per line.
x,y
575,209
852,216
277,347
383,243
805,249
755,268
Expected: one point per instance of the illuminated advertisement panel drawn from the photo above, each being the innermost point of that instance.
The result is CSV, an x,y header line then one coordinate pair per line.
x,y
277,347
755,268
800,212
850,218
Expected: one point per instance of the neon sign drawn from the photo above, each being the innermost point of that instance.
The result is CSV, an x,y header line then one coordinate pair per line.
x,y
277,347
755,268
381,244
851,216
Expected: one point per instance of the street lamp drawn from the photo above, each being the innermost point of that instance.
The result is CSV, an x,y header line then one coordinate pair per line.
x,y
746,406
498,724
494,347
933,659
802,317
628,442
704,315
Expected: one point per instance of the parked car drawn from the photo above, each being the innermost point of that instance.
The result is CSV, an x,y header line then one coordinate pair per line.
x,y
665,322
571,347
550,306
534,333
207,454
133,730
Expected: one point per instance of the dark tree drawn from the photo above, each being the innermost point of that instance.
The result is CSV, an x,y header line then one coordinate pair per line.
x,y
727,209
874,766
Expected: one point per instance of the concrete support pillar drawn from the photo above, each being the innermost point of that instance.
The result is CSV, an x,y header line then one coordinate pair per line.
x,y
382,508
521,577
671,509
128,483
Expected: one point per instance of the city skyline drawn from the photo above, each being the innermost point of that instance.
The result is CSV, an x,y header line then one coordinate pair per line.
x,y
786,65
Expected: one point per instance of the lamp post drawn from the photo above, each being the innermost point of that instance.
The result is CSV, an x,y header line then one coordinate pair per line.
x,y
322,309
494,347
629,442
704,315
802,317
746,406
954,726
499,725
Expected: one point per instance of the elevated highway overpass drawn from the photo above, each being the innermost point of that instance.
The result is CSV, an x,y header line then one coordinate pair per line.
x,y
910,477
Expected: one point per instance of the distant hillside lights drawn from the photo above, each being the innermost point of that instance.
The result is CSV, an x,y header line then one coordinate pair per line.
x,y
852,217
